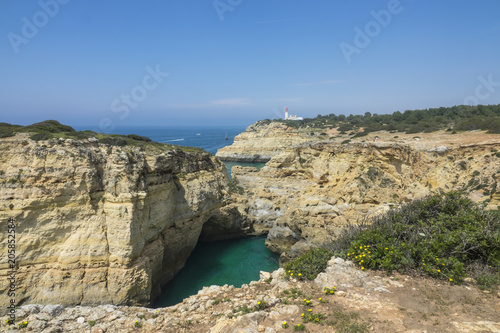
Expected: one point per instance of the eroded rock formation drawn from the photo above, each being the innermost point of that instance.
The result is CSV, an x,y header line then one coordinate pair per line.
x,y
100,224
308,192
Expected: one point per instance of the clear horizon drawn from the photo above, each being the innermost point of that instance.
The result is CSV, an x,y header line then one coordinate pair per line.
x,y
236,62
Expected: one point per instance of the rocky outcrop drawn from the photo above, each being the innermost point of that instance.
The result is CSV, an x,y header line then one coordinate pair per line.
x,y
362,299
259,143
305,195
100,224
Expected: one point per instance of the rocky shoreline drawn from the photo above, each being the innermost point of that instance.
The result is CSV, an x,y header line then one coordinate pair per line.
x,y
116,223
105,224
306,193
369,299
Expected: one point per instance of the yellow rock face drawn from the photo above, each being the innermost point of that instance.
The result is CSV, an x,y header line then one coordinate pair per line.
x,y
99,224
306,193
260,143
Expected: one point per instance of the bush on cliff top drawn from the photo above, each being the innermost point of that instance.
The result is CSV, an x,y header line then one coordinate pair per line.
x,y
445,236
308,265
52,129
459,117
51,126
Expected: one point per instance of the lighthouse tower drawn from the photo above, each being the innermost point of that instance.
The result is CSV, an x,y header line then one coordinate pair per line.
x,y
286,113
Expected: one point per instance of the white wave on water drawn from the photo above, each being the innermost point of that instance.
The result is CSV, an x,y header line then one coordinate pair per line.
x,y
173,140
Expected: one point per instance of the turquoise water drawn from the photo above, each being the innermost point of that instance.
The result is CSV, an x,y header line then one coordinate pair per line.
x,y
229,165
234,262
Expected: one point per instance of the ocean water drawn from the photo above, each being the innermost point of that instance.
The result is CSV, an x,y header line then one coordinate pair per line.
x,y
233,262
210,138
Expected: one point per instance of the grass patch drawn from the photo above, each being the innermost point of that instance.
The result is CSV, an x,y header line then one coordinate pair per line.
x,y
348,322
308,265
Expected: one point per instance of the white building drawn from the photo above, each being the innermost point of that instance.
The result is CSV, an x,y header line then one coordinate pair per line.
x,y
292,117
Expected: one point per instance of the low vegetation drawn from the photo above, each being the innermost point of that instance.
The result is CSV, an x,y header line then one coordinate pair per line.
x,y
308,265
52,129
445,236
453,119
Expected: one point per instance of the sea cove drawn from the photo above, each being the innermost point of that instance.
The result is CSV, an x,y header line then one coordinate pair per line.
x,y
232,262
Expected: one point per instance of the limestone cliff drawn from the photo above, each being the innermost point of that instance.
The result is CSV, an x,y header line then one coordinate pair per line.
x,y
307,193
261,142
101,224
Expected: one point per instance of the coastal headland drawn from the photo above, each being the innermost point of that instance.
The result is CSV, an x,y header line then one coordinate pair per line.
x,y
103,222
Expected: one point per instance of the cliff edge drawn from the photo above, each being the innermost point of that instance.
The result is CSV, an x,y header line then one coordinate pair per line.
x,y
98,223
308,192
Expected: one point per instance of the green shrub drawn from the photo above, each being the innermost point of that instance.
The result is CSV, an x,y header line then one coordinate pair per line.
x,y
261,305
41,136
139,138
308,265
114,141
442,236
299,328
6,131
311,317
84,134
51,126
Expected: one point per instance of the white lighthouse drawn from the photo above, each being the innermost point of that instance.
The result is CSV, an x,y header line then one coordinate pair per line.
x,y
292,117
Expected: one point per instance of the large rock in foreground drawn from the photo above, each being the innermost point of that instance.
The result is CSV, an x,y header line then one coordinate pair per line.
x,y
364,301
100,224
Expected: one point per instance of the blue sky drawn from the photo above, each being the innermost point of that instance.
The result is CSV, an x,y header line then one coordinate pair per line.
x,y
233,62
